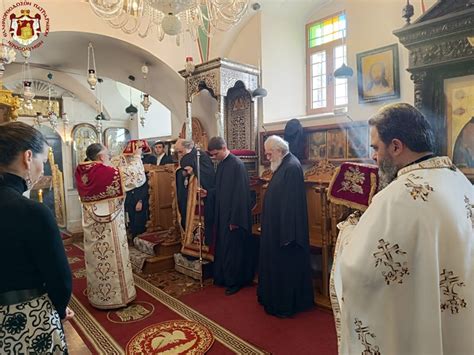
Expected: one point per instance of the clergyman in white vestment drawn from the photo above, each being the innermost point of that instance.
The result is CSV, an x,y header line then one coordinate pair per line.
x,y
405,277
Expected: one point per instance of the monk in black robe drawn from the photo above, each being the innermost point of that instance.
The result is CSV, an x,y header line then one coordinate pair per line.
x,y
284,285
294,136
233,265
137,206
188,164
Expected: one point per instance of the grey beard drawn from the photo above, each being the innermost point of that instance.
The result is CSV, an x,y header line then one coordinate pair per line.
x,y
275,164
387,173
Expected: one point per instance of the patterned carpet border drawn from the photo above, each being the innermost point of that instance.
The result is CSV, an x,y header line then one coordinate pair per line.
x,y
92,329
230,340
101,339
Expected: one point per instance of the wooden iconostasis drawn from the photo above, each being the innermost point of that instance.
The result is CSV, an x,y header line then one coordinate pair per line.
x,y
335,143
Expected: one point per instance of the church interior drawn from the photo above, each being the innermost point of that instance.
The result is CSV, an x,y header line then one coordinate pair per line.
x,y
114,71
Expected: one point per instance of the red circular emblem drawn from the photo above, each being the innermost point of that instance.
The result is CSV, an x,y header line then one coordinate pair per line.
x,y
172,337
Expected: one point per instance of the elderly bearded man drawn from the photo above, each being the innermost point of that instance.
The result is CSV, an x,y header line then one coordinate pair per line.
x,y
405,280
284,285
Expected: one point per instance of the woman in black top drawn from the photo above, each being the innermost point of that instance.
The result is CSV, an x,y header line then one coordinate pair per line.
x,y
35,278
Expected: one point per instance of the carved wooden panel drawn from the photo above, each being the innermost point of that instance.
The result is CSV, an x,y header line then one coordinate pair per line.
x,y
439,50
257,195
240,119
320,172
267,174
316,214
162,187
194,241
235,118
199,134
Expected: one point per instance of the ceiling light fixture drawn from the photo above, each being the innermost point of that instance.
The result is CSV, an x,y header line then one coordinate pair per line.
x,y
131,110
91,69
344,71
28,93
170,17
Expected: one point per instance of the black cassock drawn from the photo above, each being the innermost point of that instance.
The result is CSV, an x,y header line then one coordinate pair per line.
x,y
233,264
137,219
207,176
285,285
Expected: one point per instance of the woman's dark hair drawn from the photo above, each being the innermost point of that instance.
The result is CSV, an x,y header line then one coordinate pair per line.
x,y
404,122
16,138
93,150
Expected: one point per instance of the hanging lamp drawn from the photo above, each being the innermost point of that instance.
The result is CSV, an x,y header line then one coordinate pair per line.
x,y
131,110
344,71
91,68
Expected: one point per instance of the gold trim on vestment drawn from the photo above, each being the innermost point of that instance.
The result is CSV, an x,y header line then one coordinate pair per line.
x,y
432,163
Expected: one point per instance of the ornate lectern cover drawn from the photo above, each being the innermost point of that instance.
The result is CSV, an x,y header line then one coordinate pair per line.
x,y
135,144
354,185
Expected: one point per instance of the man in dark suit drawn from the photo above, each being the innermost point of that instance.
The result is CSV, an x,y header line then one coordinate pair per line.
x,y
161,157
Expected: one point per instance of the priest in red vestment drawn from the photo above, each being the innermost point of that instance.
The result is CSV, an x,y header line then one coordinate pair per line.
x,y
102,188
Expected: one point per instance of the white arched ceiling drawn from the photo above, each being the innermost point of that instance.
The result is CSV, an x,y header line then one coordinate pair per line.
x,y
115,59
70,83
73,25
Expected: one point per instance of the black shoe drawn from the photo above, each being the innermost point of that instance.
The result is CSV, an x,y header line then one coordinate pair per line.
x,y
282,315
231,290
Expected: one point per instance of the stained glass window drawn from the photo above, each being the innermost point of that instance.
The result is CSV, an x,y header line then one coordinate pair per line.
x,y
326,51
327,31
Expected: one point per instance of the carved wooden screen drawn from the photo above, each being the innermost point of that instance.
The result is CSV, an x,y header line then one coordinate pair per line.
x,y
257,194
240,118
317,212
440,51
161,180
199,134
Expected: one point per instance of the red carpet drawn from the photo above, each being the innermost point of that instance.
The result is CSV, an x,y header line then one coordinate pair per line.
x,y
109,332
310,332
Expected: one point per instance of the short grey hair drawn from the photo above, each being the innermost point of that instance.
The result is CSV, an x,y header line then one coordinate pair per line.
x,y
277,143
186,143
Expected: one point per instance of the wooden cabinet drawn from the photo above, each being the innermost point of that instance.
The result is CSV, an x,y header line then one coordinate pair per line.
x,y
317,180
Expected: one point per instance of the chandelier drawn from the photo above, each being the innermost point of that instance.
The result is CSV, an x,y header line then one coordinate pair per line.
x,y
171,17
7,54
28,94
51,117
